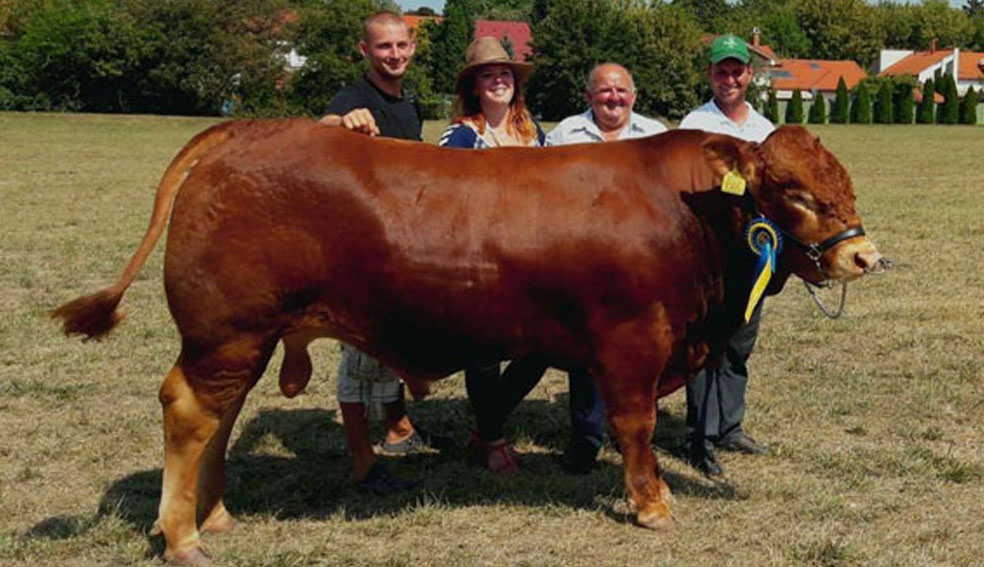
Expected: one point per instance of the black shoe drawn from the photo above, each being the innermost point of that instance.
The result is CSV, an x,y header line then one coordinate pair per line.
x,y
579,458
742,443
705,461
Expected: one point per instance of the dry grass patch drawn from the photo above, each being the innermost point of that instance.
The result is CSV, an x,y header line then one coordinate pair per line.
x,y
875,419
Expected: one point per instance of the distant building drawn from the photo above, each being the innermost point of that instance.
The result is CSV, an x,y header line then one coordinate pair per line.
x,y
813,77
966,67
517,32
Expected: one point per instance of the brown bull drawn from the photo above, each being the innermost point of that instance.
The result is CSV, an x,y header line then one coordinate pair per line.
x,y
622,258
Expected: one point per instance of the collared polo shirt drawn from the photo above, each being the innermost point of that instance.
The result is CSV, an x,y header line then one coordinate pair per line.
x,y
709,118
582,128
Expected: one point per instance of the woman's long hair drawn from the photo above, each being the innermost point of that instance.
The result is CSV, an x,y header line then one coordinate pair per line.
x,y
467,107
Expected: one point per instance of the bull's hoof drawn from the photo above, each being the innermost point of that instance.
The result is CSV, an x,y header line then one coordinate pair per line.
x,y
660,519
191,557
220,522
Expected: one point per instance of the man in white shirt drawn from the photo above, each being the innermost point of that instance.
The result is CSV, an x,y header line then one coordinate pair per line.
x,y
716,397
610,93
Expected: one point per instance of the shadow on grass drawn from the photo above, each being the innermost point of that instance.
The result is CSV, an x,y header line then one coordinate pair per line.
x,y
293,464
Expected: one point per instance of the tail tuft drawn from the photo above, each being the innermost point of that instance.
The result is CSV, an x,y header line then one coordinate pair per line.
x,y
92,315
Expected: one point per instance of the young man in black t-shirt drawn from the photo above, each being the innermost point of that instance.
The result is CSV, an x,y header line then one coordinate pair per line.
x,y
377,105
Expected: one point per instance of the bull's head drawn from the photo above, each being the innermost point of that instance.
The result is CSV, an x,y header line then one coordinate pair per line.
x,y
800,186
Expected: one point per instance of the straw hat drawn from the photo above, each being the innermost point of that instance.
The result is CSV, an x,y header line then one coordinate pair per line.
x,y
488,51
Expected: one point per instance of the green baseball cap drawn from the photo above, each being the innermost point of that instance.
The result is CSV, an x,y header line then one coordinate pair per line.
x,y
729,46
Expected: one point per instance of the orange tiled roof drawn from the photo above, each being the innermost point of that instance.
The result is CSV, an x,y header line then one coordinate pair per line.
x,y
808,74
518,32
915,63
970,66
415,21
917,96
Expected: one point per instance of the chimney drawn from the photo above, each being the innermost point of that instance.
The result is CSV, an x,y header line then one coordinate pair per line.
x,y
932,45
756,35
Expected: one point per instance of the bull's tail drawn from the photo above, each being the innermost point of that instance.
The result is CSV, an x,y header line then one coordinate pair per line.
x,y
95,315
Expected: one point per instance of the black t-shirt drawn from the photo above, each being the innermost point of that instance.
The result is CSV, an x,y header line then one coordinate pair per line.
x,y
395,117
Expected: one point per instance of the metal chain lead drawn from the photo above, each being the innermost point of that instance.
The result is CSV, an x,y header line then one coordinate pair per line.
x,y
823,309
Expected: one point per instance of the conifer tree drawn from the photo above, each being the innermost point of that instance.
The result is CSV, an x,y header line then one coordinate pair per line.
x,y
839,112
904,107
861,109
818,110
772,107
927,110
883,104
794,110
968,107
950,109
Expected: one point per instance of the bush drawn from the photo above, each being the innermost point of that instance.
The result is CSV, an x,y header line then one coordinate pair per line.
x,y
968,107
861,109
883,104
794,110
840,112
927,108
818,110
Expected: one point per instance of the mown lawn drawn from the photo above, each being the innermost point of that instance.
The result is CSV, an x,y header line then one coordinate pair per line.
x,y
876,420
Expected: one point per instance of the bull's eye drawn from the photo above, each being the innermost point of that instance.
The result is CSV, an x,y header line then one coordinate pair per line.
x,y
802,199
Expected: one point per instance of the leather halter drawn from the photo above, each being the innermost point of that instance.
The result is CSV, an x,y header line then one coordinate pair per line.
x,y
815,251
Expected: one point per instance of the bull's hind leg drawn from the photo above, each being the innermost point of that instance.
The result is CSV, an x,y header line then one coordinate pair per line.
x,y
212,514
201,401
188,428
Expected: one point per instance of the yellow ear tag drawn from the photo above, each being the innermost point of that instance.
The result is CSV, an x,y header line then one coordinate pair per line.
x,y
733,183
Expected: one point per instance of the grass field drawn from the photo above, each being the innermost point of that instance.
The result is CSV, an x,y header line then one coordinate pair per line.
x,y
876,420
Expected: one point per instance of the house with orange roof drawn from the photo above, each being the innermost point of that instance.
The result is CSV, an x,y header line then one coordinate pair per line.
x,y
813,77
518,34
966,67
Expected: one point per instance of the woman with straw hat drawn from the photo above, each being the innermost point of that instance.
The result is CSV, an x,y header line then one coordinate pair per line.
x,y
490,112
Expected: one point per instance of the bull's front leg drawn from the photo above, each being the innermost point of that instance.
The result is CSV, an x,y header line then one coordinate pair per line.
x,y
630,359
632,415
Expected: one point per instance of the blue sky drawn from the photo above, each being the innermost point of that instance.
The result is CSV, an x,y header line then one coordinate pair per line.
x,y
438,5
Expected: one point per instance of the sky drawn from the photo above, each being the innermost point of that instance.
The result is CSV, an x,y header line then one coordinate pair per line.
x,y
438,5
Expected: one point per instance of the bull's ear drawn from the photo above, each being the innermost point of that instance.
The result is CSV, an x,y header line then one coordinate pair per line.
x,y
724,154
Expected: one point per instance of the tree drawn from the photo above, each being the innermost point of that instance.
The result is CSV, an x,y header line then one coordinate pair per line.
x,y
449,42
794,110
329,38
840,29
883,104
927,110
818,110
861,109
656,44
968,107
840,112
949,111
772,107
904,106
708,14
974,8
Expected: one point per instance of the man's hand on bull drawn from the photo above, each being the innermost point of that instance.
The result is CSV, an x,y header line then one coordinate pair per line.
x,y
360,120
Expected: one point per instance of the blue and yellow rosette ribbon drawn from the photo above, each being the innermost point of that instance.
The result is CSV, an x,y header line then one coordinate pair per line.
x,y
765,240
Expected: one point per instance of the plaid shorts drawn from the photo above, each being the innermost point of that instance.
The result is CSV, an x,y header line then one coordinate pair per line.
x,y
363,379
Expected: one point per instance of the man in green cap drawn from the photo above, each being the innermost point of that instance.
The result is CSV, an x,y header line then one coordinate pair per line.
x,y
716,397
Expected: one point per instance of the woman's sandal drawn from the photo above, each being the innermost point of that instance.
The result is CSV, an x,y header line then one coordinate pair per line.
x,y
497,456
